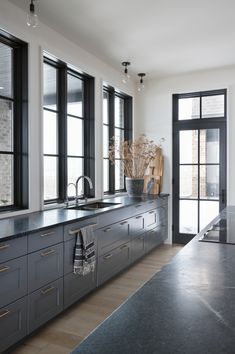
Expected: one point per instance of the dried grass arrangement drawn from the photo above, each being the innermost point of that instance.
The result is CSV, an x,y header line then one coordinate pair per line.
x,y
135,155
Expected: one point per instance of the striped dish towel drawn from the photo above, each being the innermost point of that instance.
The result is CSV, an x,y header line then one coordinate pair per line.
x,y
84,258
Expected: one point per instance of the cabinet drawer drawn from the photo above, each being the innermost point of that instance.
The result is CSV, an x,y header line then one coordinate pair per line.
x,y
136,225
13,323
13,280
45,238
14,248
150,218
45,303
112,236
137,247
45,266
154,238
70,229
76,286
113,262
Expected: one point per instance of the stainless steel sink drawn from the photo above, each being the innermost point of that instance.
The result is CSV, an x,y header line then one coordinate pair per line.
x,y
94,206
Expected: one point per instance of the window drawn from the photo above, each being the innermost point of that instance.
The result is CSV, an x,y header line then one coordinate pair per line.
x,y
13,123
117,122
68,129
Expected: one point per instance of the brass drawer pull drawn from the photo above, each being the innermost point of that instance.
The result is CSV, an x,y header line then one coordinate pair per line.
x,y
152,231
152,211
5,313
74,232
123,247
47,234
108,229
123,223
139,217
151,202
4,269
48,253
47,290
138,205
3,247
108,256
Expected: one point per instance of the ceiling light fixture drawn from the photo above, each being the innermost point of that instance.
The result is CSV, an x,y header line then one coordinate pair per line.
x,y
141,83
32,17
126,76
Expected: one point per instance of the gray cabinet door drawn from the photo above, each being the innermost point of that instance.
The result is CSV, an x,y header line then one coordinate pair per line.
x,y
45,238
45,266
153,238
13,280
137,247
76,286
150,217
113,262
136,225
13,248
45,303
13,323
112,236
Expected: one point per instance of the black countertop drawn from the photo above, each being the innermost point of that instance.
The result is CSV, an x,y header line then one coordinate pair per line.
x,y
187,308
15,226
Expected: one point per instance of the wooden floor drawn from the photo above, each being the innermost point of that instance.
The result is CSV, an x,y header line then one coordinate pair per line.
x,y
65,332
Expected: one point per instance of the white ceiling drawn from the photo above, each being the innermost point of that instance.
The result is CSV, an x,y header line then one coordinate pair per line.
x,y
161,38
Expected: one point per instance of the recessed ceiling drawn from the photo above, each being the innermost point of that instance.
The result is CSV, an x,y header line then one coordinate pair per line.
x,y
161,38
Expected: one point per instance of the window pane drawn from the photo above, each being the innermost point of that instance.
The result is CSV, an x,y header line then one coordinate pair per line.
x,y
6,53
105,107
188,216
209,146
119,137
209,182
6,180
213,106
105,141
50,86
50,131
188,146
188,181
208,211
119,112
6,125
119,175
106,175
75,96
50,177
75,169
75,136
189,108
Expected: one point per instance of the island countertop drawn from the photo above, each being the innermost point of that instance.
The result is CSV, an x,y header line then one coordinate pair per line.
x,y
187,308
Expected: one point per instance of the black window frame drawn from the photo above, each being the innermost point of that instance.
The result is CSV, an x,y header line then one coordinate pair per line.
x,y
128,130
20,121
89,127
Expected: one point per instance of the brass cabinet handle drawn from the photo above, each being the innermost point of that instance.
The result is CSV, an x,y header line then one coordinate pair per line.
x,y
48,234
74,232
3,247
108,229
123,247
5,313
4,269
47,253
138,205
108,256
151,202
152,211
123,223
47,290
139,217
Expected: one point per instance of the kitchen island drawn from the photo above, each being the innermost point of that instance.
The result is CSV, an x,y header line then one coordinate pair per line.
x,y
187,308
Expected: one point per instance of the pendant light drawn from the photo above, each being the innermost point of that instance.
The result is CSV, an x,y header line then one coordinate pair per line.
x,y
32,17
141,86
126,75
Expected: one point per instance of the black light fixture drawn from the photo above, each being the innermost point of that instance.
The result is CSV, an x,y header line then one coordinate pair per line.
x,y
126,76
32,17
141,83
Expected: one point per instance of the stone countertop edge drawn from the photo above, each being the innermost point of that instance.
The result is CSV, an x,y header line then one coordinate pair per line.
x,y
18,226
186,308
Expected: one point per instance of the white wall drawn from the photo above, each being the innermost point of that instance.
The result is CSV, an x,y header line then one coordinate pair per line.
x,y
13,20
154,117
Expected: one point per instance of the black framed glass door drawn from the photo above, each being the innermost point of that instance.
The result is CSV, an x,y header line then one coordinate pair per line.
x,y
199,168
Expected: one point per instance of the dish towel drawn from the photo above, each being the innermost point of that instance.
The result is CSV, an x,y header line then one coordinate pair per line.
x,y
84,258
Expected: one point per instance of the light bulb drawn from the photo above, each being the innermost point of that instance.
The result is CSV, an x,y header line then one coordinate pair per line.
x,y
32,17
126,78
140,87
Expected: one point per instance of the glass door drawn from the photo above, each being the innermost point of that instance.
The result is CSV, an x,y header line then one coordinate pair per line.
x,y
199,176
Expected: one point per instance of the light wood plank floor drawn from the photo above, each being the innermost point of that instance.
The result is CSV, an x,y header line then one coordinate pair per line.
x,y
65,332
